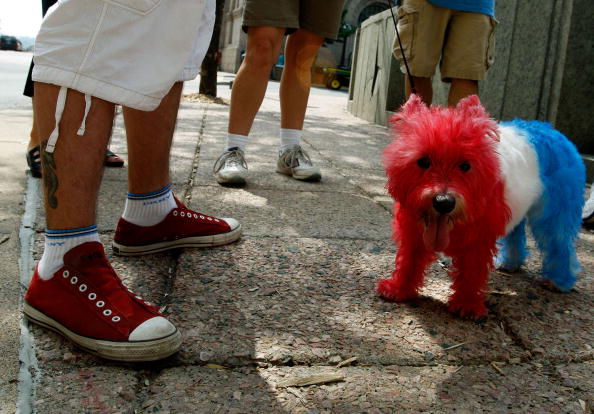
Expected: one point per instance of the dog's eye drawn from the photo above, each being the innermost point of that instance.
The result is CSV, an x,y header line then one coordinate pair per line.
x,y
424,163
465,166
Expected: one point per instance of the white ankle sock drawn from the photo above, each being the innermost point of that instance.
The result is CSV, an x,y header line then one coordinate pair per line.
x,y
289,138
149,209
236,140
58,243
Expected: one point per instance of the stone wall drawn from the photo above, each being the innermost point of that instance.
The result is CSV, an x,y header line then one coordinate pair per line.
x,y
543,67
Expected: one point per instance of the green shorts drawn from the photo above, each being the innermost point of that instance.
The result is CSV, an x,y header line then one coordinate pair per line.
x,y
319,17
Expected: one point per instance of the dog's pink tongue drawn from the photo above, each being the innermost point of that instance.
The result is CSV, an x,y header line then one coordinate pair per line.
x,y
437,234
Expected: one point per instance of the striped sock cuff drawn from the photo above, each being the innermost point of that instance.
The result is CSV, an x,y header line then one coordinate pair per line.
x,y
60,242
151,195
70,233
148,209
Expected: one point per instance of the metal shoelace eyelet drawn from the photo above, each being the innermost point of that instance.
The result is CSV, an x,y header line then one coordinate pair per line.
x,y
92,296
107,312
65,274
116,319
82,287
100,304
73,280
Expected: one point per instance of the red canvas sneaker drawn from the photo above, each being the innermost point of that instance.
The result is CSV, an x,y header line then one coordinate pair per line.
x,y
86,302
181,228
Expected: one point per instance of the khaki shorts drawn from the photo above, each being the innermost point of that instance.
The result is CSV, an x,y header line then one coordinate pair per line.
x,y
319,17
463,43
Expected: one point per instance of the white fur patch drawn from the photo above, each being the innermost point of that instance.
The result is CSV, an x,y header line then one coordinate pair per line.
x,y
519,168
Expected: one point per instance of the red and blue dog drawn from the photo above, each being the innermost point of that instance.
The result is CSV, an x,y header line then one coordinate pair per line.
x,y
466,186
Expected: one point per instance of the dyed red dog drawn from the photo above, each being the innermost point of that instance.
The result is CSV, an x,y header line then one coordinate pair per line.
x,y
461,181
443,175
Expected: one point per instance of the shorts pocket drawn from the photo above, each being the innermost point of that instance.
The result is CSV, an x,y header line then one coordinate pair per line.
x,y
137,6
490,55
407,19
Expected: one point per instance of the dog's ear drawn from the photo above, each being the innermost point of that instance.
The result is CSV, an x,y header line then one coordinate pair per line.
x,y
472,106
472,109
412,106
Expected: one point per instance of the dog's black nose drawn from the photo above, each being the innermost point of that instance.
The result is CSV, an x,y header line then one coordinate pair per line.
x,y
444,203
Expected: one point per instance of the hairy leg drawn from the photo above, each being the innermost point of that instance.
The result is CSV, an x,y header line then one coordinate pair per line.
x,y
34,136
249,87
423,86
300,52
150,134
72,173
461,88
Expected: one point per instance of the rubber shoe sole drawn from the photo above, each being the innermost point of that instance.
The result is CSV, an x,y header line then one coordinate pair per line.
x,y
236,180
129,351
196,241
300,175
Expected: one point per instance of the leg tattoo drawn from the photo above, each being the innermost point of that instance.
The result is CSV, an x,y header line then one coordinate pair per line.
x,y
49,177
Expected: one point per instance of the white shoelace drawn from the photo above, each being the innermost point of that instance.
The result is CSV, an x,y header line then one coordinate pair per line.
x,y
229,159
295,157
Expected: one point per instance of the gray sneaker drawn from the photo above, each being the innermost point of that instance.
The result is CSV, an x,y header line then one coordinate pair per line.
x,y
296,163
230,167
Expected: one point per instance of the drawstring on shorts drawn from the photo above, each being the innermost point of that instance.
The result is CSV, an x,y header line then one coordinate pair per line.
x,y
60,104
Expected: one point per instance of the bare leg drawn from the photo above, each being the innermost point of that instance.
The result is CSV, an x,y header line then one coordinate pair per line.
x,y
300,52
149,143
461,88
423,86
249,87
72,173
34,136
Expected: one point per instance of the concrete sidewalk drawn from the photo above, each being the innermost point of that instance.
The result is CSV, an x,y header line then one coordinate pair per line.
x,y
295,297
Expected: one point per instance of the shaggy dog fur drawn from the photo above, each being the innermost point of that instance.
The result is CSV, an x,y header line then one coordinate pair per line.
x,y
460,182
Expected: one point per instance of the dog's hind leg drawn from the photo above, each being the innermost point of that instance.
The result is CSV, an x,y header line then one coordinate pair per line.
x,y
512,249
555,238
556,219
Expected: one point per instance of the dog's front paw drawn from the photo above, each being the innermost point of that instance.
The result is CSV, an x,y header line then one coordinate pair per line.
x,y
471,310
389,289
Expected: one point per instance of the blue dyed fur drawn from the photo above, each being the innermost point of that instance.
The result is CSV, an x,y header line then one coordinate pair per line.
x,y
555,220
512,249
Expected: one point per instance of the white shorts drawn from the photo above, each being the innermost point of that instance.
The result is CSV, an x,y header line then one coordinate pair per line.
x,y
129,52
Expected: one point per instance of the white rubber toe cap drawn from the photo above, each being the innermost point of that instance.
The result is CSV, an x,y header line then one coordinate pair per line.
x,y
231,222
157,327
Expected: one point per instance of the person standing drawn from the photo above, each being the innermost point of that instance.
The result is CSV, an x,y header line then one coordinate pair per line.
x,y
89,56
33,155
459,35
307,23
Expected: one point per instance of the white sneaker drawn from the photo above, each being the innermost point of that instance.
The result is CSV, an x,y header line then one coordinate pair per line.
x,y
588,211
296,163
230,167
